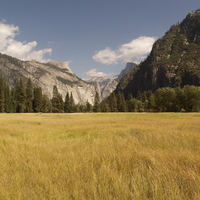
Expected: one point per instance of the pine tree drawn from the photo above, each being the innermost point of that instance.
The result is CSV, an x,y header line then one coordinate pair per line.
x,y
29,96
20,97
61,103
57,102
139,96
80,108
133,105
13,100
88,107
67,103
121,103
96,106
8,99
112,102
129,103
130,96
2,96
105,107
37,99
46,104
71,104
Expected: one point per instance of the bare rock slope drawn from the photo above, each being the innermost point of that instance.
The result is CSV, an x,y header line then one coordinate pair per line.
x,y
46,76
107,85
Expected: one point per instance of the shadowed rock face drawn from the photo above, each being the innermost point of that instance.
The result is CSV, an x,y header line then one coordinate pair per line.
x,y
46,76
173,62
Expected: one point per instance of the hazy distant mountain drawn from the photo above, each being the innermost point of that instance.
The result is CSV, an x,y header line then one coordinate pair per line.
x,y
173,62
107,85
46,76
129,67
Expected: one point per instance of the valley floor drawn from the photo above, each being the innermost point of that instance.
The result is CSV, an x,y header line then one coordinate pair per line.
x,y
100,156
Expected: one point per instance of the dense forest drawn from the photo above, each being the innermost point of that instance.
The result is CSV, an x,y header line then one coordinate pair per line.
x,y
186,99
24,98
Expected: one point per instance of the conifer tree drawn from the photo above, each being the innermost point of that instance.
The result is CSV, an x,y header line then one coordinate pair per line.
x,y
61,103
130,96
139,96
96,107
46,104
29,96
67,103
88,107
13,100
133,105
129,103
71,104
121,103
112,102
8,99
2,96
37,99
20,97
57,102
105,107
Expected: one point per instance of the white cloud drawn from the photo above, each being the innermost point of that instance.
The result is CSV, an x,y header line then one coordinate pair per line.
x,y
106,56
7,32
95,73
20,50
136,50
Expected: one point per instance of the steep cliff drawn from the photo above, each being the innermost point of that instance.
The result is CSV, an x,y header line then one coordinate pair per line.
x,y
129,67
173,62
46,76
108,85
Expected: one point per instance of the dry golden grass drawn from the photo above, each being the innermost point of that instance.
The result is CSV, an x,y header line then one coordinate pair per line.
x,y
100,156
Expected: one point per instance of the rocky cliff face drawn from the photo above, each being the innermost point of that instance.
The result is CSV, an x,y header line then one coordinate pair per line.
x,y
106,85
173,62
129,67
46,76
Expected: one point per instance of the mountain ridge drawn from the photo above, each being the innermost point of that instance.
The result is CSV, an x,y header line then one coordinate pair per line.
x,y
173,62
46,75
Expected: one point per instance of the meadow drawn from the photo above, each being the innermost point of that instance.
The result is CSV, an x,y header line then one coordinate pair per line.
x,y
96,156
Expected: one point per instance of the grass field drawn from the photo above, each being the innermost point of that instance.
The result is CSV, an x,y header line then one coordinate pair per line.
x,y
112,156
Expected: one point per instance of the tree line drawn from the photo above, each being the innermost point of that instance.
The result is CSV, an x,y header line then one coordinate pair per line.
x,y
186,99
25,98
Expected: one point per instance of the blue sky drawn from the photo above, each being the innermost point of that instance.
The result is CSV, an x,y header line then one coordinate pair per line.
x,y
95,37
